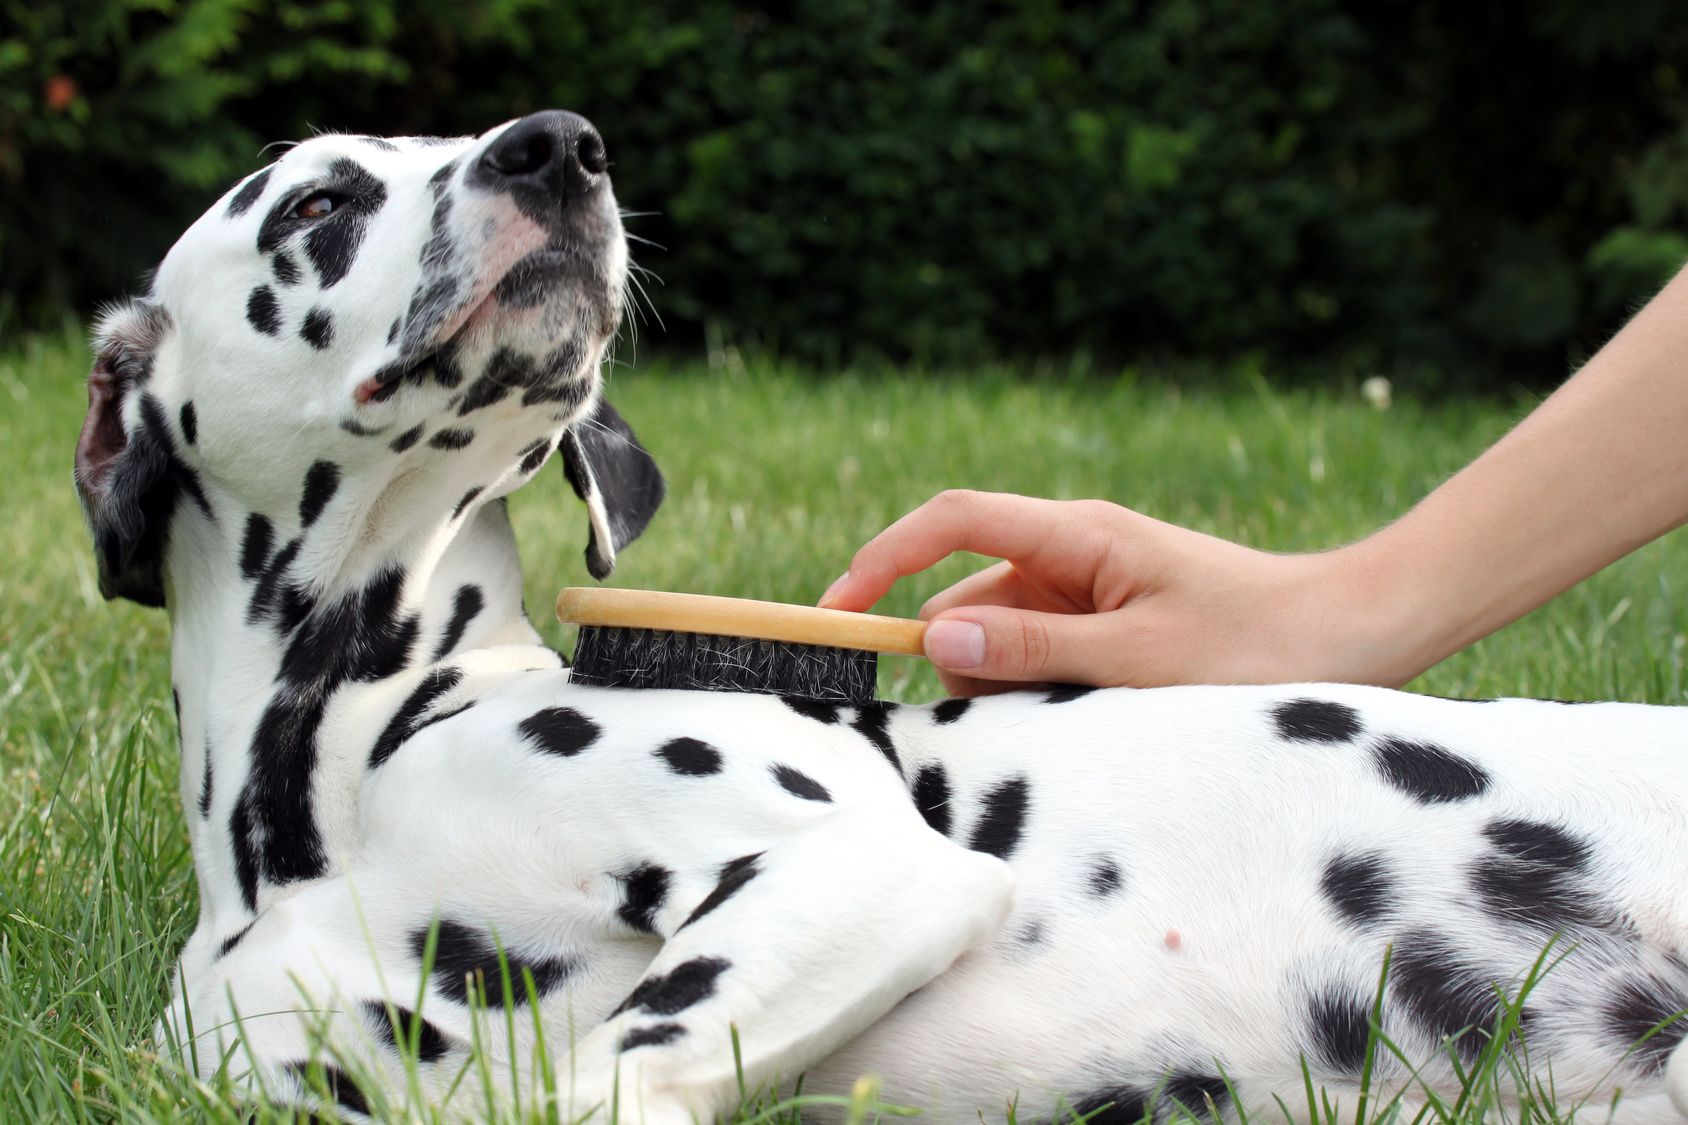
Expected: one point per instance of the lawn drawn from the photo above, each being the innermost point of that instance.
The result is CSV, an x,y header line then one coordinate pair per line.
x,y
775,478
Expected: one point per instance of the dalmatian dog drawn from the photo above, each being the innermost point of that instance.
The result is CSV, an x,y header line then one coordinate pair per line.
x,y
416,840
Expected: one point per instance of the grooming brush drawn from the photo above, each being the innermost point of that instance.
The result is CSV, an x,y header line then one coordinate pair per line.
x,y
650,639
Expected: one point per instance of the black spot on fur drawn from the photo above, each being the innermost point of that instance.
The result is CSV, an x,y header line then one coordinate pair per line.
x,y
1339,1027
464,501
505,372
190,423
226,946
558,379
332,243
743,861
358,429
342,1090
799,784
1066,693
255,546
205,784
361,636
1640,1004
1443,993
447,372
1030,934
734,875
1133,1105
482,392
318,329
931,792
670,993
1004,819
434,299
534,455
465,957
451,438
1114,1105
393,329
559,730
381,143
1195,1091
1427,772
179,474
653,1036
815,709
248,193
262,312
407,439
245,856
465,605
872,719
408,719
1316,720
399,1025
644,890
950,710
322,480
1105,877
436,296
286,270
690,757
267,590
1536,876
1361,887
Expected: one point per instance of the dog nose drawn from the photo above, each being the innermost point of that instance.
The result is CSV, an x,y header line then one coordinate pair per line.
x,y
555,150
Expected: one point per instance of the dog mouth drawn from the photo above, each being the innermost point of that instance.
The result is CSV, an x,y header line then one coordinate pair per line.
x,y
548,275
416,366
537,296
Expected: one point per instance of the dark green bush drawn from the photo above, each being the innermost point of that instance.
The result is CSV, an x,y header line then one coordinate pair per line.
x,y
1453,186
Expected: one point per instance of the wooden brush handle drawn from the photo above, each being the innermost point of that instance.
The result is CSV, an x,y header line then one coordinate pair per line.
x,y
739,617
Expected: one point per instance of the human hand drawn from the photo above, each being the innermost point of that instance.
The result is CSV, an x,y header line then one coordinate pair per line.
x,y
1089,592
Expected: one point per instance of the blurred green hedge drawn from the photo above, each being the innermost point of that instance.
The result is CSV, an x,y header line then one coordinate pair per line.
x,y
1437,186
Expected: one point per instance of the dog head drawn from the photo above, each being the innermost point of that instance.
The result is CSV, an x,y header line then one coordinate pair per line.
x,y
401,329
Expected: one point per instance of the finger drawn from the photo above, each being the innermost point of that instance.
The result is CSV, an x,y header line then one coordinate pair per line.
x,y
999,584
966,687
997,643
1000,525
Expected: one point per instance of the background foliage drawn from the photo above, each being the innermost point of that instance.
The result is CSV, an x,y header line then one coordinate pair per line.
x,y
1438,189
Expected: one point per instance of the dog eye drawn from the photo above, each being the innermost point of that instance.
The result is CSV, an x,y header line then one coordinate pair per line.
x,y
318,206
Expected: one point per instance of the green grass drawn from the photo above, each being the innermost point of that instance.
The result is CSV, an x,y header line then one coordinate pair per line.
x,y
775,480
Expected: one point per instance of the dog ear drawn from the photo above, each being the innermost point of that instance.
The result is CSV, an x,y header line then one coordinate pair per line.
x,y
616,477
124,479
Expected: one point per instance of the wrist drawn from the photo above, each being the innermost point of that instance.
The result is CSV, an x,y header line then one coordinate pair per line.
x,y
1397,616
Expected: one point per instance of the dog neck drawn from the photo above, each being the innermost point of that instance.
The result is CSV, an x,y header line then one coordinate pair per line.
x,y
288,655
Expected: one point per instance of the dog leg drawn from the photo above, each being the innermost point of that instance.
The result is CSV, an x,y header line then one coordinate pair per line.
x,y
799,950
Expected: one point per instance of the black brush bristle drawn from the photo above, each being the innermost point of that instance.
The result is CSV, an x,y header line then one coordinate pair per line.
x,y
654,658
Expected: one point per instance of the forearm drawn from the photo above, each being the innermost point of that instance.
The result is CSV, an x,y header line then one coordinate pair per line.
x,y
1597,470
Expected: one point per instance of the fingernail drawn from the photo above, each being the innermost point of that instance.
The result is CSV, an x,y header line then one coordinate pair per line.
x,y
955,644
833,589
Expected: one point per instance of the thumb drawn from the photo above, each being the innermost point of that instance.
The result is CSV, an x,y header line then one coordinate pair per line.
x,y
999,643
